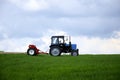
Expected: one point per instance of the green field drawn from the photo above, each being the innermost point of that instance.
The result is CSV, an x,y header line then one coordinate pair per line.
x,y
45,67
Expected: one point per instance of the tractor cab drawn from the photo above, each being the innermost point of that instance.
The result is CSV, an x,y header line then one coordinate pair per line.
x,y
56,40
60,44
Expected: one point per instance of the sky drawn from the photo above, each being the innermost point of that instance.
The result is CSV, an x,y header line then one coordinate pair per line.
x,y
94,25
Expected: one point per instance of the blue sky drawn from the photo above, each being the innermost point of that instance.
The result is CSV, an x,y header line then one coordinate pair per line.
x,y
90,23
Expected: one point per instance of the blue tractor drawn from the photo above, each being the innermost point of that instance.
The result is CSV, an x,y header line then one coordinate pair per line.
x,y
62,44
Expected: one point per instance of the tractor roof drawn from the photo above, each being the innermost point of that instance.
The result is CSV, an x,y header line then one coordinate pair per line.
x,y
57,37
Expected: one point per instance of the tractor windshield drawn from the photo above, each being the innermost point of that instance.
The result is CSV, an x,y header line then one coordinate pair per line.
x,y
54,41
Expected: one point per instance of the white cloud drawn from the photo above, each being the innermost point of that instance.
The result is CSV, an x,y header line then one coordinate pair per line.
x,y
72,7
15,45
31,5
86,45
97,45
116,35
81,19
21,44
3,34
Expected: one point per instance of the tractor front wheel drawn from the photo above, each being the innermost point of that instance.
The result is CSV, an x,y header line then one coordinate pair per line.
x,y
31,52
74,53
55,51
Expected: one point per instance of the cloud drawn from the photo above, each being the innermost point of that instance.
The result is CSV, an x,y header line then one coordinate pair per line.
x,y
97,45
116,35
90,26
30,5
71,7
3,34
85,44
35,21
21,44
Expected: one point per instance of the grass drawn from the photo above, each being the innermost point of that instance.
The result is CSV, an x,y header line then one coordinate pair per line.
x,y
45,67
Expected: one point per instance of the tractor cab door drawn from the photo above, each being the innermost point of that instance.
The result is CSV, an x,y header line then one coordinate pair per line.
x,y
61,41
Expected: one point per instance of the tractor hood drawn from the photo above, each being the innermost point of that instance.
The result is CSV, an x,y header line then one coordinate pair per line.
x,y
74,46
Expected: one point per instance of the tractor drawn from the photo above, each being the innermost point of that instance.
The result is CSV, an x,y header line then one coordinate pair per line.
x,y
59,44
62,44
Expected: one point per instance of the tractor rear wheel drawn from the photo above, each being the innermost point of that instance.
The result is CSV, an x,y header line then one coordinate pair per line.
x,y
74,53
55,51
31,52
